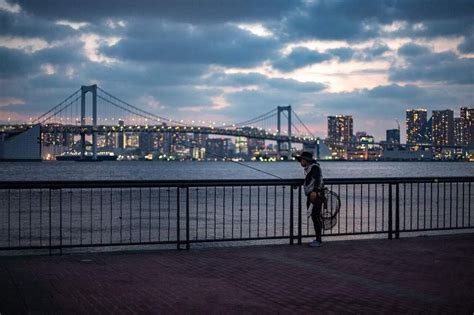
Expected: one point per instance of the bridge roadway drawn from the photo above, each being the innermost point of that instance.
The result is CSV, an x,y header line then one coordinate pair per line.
x,y
253,133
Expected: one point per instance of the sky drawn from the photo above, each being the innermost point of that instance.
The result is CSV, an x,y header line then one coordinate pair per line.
x,y
229,61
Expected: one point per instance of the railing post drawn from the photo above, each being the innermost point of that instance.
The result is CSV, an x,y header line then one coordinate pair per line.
x,y
187,218
178,215
390,212
60,221
50,221
291,215
300,224
397,211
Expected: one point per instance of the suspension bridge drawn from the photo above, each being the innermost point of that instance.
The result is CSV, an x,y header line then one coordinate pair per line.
x,y
106,113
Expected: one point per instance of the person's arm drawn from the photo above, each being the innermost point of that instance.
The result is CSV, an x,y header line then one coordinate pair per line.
x,y
316,174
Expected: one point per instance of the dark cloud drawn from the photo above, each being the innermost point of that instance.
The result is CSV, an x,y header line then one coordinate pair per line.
x,y
27,26
298,58
183,43
425,65
359,20
395,92
15,62
411,50
467,46
343,53
264,82
202,11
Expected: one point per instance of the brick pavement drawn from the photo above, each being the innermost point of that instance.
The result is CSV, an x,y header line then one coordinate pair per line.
x,y
425,274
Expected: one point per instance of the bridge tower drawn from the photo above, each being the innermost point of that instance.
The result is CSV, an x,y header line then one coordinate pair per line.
x,y
280,142
84,90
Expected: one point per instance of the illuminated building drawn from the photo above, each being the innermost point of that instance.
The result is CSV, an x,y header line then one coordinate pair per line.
x,y
459,131
132,140
256,146
393,136
218,148
467,117
340,134
340,129
241,145
416,123
443,127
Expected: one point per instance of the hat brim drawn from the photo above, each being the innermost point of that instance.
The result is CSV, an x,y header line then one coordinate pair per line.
x,y
299,158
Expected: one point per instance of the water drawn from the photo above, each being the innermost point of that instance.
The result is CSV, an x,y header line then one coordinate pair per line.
x,y
142,170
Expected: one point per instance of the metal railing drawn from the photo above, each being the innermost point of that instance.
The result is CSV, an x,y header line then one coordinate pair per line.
x,y
65,214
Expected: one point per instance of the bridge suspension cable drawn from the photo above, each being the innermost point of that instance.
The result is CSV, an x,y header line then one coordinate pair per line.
x,y
55,107
258,118
143,112
302,123
60,110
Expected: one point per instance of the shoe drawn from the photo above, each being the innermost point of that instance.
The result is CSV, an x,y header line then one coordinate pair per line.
x,y
315,244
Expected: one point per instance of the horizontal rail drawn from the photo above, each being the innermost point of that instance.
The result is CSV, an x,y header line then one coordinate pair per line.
x,y
219,183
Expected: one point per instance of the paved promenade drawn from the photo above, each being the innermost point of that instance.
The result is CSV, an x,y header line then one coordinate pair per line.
x,y
426,274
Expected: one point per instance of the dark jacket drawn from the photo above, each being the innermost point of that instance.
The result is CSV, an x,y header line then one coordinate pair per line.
x,y
314,179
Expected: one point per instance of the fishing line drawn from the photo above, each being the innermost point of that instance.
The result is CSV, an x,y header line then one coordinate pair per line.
x,y
237,162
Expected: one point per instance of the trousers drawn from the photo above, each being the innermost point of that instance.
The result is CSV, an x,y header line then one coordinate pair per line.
x,y
316,216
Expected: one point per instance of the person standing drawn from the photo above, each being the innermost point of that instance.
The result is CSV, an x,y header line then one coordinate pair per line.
x,y
313,189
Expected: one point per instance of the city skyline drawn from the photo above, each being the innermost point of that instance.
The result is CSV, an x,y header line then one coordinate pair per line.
x,y
221,60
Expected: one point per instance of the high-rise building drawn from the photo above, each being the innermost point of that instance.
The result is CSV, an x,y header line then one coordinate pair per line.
x,y
416,123
467,117
241,145
393,136
443,127
340,129
459,131
218,147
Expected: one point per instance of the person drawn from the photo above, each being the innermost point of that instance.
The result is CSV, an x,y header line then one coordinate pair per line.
x,y
313,189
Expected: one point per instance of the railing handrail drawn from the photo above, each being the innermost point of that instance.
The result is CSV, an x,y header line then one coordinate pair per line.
x,y
222,183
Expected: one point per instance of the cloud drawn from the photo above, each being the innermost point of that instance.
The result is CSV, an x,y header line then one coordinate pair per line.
x,y
424,65
263,82
182,43
298,58
395,92
467,46
28,26
196,12
361,20
411,50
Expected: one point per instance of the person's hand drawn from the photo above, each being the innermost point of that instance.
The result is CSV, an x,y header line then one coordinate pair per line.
x,y
313,196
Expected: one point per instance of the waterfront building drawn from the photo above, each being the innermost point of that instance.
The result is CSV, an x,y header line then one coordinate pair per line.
x,y
340,129
340,135
459,131
217,147
256,146
146,142
416,125
443,133
132,140
393,136
467,118
241,146
443,127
